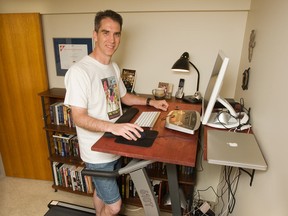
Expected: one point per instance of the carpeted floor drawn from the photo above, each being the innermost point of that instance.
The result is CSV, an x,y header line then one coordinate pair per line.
x,y
26,197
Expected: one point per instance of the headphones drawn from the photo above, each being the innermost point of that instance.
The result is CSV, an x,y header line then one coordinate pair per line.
x,y
245,79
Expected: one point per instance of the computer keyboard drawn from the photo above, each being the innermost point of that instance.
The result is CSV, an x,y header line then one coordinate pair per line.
x,y
147,119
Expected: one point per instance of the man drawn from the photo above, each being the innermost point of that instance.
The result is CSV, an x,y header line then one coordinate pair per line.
x,y
94,90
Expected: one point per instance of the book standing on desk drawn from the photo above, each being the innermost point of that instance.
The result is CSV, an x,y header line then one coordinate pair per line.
x,y
186,121
128,76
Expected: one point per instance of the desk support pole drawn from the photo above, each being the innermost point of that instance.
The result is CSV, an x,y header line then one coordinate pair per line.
x,y
173,188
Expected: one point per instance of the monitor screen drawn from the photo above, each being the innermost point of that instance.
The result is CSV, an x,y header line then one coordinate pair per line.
x,y
229,118
214,86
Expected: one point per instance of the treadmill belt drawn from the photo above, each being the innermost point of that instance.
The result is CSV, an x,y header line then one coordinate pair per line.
x,y
58,208
63,211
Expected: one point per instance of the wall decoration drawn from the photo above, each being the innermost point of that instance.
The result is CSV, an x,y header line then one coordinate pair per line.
x,y
69,51
252,44
245,79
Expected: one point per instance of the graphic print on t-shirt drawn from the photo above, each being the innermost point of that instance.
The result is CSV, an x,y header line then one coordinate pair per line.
x,y
111,90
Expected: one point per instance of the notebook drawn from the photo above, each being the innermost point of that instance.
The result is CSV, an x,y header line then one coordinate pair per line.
x,y
234,149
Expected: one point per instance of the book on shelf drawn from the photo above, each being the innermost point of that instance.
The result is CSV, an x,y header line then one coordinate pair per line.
x,y
66,175
78,179
52,111
68,120
123,186
69,176
156,186
129,76
66,145
60,114
88,184
57,175
128,190
126,187
55,166
73,177
159,167
75,146
186,170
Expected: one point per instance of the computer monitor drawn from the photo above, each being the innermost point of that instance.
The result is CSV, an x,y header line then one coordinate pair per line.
x,y
212,95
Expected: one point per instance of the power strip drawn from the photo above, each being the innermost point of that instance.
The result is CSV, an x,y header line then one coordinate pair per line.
x,y
204,210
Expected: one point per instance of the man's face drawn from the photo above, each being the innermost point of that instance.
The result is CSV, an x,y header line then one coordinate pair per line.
x,y
107,38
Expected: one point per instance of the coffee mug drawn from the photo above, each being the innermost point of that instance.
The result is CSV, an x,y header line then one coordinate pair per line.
x,y
159,93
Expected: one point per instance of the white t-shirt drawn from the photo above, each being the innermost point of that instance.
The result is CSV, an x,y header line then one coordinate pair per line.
x,y
98,88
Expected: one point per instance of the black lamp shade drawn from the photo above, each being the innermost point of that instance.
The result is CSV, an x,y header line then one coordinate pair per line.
x,y
182,64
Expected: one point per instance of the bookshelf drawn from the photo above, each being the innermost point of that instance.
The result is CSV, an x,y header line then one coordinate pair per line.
x,y
65,161
156,171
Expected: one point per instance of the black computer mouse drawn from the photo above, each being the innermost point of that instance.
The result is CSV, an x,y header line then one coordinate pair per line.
x,y
142,133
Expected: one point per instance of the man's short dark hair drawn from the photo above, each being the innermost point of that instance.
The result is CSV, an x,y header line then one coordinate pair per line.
x,y
107,14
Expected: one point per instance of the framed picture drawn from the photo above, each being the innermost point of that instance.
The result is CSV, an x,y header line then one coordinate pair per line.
x,y
128,77
69,51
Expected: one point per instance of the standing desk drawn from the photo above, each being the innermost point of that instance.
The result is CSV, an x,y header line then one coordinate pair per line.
x,y
171,147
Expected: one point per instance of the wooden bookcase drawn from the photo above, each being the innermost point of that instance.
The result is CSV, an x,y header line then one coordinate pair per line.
x,y
156,172
48,98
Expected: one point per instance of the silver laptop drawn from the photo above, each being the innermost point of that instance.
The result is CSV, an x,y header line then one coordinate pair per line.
x,y
234,149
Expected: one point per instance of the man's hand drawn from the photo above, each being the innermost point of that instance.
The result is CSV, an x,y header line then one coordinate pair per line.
x,y
126,130
130,100
159,104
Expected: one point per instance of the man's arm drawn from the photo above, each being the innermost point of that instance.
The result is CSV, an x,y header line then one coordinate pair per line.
x,y
131,99
82,119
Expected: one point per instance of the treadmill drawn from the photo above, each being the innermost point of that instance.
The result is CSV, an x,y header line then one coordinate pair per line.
x,y
136,169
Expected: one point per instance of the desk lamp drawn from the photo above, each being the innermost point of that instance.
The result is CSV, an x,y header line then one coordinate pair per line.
x,y
182,65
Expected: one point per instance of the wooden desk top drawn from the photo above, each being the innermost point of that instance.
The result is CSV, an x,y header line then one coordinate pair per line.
x,y
170,146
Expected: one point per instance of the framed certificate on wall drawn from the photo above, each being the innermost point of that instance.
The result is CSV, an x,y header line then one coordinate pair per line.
x,y
68,51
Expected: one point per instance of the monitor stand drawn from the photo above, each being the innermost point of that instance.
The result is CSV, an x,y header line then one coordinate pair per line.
x,y
240,122
237,120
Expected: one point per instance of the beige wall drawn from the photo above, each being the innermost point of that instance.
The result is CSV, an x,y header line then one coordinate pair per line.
x,y
267,97
90,6
153,41
155,34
